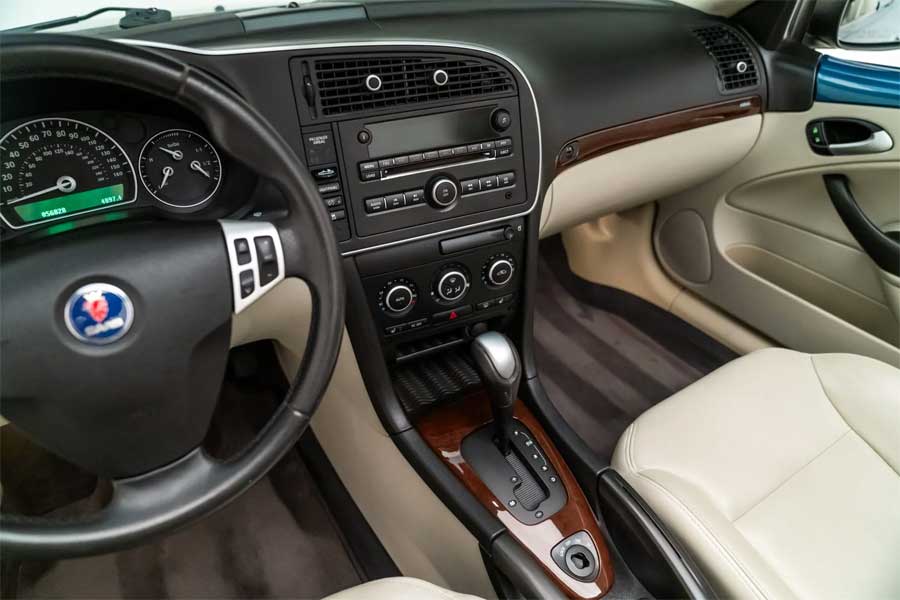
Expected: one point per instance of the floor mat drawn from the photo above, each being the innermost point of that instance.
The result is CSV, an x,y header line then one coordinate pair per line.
x,y
278,540
606,356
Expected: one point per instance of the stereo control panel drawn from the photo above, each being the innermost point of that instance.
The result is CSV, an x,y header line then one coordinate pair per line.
x,y
451,283
437,166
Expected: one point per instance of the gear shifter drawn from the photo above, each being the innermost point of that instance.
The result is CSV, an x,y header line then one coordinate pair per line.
x,y
500,368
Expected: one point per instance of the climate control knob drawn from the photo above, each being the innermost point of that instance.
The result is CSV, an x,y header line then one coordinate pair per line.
x,y
451,284
443,191
498,270
398,297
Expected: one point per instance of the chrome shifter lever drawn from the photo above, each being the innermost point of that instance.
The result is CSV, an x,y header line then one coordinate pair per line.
x,y
501,370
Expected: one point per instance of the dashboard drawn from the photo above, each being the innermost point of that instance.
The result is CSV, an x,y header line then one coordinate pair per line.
x,y
430,154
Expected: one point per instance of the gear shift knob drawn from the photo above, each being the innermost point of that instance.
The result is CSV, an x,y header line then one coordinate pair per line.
x,y
500,368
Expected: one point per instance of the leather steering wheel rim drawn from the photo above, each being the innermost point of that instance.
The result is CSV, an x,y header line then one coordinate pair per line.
x,y
181,491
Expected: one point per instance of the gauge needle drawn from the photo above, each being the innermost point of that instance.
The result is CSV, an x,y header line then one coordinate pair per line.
x,y
176,154
195,165
167,172
63,184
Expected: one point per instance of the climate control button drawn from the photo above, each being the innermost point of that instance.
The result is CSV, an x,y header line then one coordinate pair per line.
x,y
398,297
451,284
498,270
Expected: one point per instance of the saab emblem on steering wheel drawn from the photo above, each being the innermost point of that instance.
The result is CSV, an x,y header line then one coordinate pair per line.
x,y
99,313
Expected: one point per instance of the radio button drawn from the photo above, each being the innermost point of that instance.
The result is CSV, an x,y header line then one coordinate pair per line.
x,y
370,175
395,201
474,148
365,167
414,197
384,163
488,183
470,186
444,192
374,205
504,143
415,158
506,179
445,152
488,145
399,161
432,155
460,150
504,152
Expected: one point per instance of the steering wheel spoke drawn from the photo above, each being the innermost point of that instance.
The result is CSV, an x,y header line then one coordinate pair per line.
x,y
255,258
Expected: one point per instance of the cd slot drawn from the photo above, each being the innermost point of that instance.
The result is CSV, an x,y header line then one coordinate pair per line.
x,y
402,171
418,162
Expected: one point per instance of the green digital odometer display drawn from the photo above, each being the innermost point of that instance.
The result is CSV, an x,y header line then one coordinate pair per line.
x,y
53,169
74,203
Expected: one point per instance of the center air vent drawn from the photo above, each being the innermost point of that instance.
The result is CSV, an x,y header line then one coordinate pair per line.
x,y
356,84
734,61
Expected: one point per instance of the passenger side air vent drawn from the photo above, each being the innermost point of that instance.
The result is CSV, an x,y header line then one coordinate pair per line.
x,y
369,83
734,61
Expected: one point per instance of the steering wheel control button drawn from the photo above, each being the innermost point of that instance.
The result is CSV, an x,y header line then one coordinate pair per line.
x,y
247,283
242,249
577,556
398,297
98,314
451,284
501,120
251,279
443,192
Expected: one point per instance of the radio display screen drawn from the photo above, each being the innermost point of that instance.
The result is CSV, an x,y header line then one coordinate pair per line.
x,y
430,131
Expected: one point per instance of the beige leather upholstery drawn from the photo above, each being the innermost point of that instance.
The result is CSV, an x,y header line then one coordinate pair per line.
x,y
398,588
781,473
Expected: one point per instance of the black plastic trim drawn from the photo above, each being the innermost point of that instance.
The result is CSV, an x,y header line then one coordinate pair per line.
x,y
880,247
518,566
647,545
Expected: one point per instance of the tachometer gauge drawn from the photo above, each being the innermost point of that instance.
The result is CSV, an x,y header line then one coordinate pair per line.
x,y
51,169
180,168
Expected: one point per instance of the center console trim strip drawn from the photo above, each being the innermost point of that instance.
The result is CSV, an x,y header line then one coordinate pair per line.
x,y
380,43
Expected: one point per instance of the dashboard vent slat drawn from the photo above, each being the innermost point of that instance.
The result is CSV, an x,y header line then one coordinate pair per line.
x,y
735,64
404,80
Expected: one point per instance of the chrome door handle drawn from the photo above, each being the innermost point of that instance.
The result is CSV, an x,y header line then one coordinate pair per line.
x,y
879,141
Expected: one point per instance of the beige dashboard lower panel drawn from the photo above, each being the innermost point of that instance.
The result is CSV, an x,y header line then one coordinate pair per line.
x,y
644,172
421,535
617,251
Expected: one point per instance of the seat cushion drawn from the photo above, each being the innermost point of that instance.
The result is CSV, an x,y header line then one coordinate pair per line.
x,y
781,473
398,588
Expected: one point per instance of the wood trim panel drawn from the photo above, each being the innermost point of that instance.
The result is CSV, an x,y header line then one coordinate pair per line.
x,y
615,138
444,428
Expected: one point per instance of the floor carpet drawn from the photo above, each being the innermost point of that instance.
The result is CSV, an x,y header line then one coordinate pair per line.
x,y
278,540
605,356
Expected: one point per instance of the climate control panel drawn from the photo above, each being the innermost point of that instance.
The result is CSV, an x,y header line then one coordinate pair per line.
x,y
427,287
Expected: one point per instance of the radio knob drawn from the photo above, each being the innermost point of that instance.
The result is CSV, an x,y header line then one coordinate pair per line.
x,y
398,297
443,192
498,270
452,284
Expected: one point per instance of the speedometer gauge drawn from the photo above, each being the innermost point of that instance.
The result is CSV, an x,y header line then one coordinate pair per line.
x,y
180,168
55,168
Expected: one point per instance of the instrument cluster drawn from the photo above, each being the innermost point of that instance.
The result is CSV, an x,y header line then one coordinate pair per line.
x,y
66,166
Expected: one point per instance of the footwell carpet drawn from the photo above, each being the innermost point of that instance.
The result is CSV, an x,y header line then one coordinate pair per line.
x,y
605,356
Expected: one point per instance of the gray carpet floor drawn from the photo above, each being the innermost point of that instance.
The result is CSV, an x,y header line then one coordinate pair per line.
x,y
605,356
278,540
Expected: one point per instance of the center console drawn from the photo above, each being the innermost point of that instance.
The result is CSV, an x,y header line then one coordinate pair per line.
x,y
429,164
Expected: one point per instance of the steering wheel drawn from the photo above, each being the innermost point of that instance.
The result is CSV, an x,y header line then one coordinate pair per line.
x,y
136,409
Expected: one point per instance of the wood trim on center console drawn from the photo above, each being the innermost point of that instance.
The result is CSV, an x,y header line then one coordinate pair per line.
x,y
621,136
444,428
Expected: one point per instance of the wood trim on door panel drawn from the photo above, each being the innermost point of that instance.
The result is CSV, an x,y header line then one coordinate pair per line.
x,y
444,428
622,136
